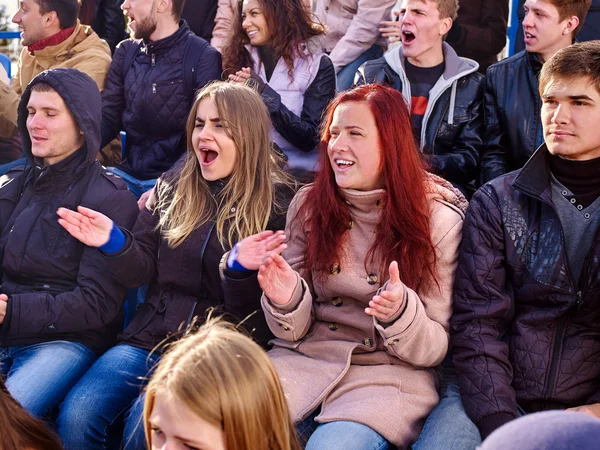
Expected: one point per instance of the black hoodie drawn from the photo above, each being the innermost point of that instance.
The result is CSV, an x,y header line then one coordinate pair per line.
x,y
58,288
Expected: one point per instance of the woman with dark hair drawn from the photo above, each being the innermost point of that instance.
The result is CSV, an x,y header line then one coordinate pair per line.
x,y
362,297
19,430
276,44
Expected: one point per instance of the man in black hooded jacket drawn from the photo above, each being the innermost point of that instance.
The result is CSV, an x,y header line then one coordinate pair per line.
x,y
59,306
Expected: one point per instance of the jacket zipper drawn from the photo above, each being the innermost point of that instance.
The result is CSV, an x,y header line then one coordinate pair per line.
x,y
553,370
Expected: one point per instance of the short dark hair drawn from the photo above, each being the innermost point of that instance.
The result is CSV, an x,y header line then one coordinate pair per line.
x,y
66,10
580,60
177,9
42,87
569,8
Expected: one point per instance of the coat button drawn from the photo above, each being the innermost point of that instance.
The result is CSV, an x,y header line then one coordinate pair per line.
x,y
335,269
333,326
284,327
372,278
393,341
380,203
350,224
368,342
337,301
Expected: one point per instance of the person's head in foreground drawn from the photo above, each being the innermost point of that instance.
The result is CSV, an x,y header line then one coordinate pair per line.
x,y
570,92
19,430
550,430
217,390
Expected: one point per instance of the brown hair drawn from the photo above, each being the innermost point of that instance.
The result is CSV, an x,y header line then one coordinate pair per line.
x,y
580,60
18,430
448,8
227,380
569,8
291,26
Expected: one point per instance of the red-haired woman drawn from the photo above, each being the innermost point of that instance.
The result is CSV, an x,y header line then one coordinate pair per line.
x,y
362,297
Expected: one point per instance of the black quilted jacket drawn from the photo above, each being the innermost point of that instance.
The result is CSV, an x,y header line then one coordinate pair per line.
x,y
524,332
149,100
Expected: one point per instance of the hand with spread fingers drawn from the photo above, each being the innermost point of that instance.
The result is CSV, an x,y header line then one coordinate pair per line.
x,y
86,225
277,279
3,306
389,301
252,251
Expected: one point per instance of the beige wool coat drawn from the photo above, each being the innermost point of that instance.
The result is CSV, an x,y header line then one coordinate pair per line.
x,y
329,353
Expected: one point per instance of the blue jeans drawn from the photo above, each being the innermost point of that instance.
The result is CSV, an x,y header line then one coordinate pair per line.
x,y
40,375
339,435
93,414
137,187
345,77
448,427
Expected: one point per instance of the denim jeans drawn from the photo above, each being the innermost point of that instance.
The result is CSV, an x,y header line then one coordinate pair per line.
x,y
345,77
135,186
339,435
40,375
448,427
93,414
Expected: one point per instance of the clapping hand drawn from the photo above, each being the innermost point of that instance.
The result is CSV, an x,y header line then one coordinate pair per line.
x,y
277,279
86,225
253,250
387,303
241,76
3,306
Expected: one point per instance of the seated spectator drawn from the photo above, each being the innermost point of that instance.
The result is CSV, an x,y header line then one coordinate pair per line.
x,y
513,126
478,32
59,306
20,431
352,33
275,45
53,37
527,294
443,90
217,389
590,30
549,430
225,189
227,11
150,89
361,326
106,18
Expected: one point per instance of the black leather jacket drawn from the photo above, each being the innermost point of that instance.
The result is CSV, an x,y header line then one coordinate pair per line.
x,y
512,114
110,22
454,148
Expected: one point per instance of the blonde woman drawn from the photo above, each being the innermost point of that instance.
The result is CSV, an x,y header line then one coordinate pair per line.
x,y
226,188
217,390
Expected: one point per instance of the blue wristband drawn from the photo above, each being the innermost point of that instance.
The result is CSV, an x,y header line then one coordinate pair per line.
x,y
232,262
116,241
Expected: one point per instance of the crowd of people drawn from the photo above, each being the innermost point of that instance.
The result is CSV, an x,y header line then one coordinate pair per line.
x,y
300,224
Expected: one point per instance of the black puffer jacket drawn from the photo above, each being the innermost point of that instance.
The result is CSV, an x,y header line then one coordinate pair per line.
x,y
523,330
109,22
149,99
451,136
185,281
58,288
512,114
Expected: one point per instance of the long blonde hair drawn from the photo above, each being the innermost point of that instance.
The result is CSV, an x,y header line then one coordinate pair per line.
x,y
244,205
228,381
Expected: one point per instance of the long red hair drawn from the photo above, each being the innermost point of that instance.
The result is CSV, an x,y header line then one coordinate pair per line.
x,y
403,233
